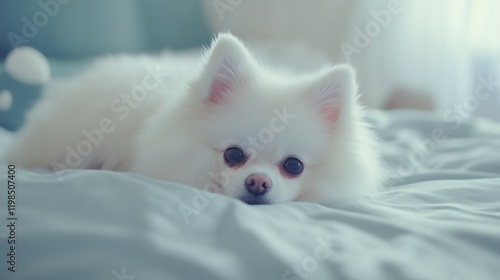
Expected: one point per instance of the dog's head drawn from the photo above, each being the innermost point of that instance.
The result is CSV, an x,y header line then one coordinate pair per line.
x,y
245,131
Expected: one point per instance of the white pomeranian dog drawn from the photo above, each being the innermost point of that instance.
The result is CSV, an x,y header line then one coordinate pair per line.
x,y
225,123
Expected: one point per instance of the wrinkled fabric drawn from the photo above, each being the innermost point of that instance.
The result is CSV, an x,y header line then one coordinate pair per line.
x,y
439,218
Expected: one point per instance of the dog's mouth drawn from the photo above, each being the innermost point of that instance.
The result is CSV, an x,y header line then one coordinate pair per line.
x,y
255,200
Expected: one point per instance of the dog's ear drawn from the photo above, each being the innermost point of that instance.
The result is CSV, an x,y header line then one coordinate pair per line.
x,y
334,92
226,68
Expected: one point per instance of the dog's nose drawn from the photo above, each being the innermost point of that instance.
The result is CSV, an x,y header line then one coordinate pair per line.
x,y
258,184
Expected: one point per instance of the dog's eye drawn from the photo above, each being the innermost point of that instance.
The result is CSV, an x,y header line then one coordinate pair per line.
x,y
293,166
233,156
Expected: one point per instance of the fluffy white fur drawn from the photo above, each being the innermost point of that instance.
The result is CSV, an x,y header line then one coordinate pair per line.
x,y
179,127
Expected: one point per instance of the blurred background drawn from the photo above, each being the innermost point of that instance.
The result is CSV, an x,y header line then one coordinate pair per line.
x,y
431,55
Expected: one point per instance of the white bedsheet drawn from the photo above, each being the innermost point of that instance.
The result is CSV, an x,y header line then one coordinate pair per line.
x,y
439,219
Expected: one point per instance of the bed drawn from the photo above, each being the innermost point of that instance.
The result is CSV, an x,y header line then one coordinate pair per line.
x,y
439,218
